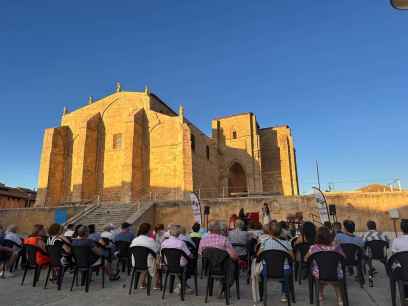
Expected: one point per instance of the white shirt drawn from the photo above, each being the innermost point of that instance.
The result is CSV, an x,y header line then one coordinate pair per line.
x,y
150,243
69,233
145,241
13,237
400,244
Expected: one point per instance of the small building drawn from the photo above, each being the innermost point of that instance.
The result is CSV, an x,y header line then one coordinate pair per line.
x,y
17,197
131,145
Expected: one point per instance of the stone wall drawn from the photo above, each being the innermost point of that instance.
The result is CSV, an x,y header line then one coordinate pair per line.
x,y
25,218
279,171
359,207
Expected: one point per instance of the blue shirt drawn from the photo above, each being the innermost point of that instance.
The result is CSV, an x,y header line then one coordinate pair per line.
x,y
124,236
352,239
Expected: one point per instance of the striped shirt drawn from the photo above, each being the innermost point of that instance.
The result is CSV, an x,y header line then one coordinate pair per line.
x,y
374,235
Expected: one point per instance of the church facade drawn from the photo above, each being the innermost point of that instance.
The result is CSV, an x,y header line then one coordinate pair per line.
x,y
132,146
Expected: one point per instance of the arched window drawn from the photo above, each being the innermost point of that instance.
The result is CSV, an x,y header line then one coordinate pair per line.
x,y
207,149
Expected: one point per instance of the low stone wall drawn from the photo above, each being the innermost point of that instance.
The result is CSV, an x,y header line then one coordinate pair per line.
x,y
359,207
25,218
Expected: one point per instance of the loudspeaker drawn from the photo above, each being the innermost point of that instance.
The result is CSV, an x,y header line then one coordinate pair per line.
x,y
332,210
206,210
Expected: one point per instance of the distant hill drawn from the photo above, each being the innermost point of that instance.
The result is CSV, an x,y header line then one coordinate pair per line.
x,y
375,188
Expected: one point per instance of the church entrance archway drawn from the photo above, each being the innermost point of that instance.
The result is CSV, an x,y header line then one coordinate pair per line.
x,y
237,181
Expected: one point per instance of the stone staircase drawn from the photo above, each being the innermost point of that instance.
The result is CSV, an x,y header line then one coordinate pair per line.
x,y
104,214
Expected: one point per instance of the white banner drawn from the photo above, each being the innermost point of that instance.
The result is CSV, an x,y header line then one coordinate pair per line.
x,y
196,206
321,205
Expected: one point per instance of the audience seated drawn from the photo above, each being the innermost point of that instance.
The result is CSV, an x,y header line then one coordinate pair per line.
x,y
11,234
125,234
307,234
215,239
337,228
196,231
348,235
69,231
174,242
271,240
239,236
55,236
186,238
9,252
324,243
143,239
159,233
285,233
255,229
373,234
97,250
400,244
93,234
36,239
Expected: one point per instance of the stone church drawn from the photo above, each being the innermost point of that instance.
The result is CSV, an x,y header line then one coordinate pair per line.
x,y
132,146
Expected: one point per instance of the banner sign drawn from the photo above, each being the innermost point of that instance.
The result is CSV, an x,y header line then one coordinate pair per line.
x,y
196,206
321,205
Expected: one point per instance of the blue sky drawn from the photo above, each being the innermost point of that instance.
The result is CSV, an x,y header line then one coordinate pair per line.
x,y
335,71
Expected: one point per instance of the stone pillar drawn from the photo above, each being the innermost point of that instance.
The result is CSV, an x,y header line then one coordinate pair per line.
x,y
134,158
84,160
52,167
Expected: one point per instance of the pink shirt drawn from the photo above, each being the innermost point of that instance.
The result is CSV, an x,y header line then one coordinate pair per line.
x,y
219,242
175,243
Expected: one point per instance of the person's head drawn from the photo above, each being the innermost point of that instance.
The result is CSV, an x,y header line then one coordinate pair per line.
x,y
337,227
76,230
12,228
214,227
404,226
175,230
196,227
349,226
276,229
125,227
371,225
159,228
328,225
1,228
284,225
107,227
267,228
309,232
55,229
241,213
38,230
91,228
240,225
144,229
324,236
82,231
255,225
70,227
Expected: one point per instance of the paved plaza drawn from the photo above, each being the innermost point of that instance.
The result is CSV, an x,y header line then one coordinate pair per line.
x,y
116,293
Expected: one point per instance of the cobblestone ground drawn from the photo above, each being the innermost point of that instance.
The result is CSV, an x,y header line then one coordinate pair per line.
x,y
116,293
